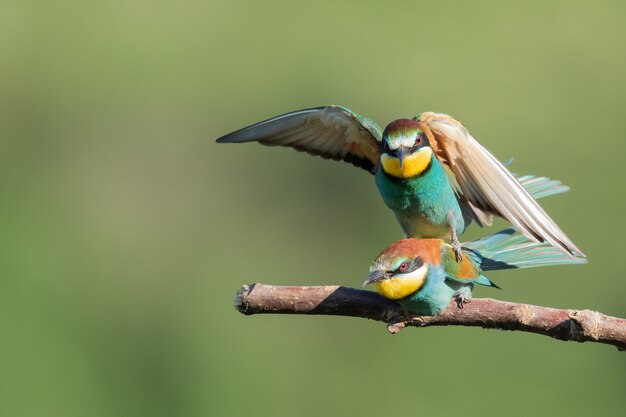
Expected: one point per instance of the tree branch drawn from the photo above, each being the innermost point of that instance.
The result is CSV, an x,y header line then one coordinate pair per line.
x,y
572,325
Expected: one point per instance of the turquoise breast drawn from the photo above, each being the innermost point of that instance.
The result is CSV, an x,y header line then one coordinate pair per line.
x,y
422,203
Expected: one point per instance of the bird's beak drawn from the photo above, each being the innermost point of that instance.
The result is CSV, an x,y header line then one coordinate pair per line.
x,y
375,276
402,153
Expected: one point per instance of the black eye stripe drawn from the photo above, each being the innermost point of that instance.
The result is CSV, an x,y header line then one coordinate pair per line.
x,y
421,140
411,266
416,263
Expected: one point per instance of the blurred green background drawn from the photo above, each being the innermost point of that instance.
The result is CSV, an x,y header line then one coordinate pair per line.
x,y
126,231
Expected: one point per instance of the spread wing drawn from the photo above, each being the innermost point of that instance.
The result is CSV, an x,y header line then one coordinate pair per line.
x,y
487,186
331,132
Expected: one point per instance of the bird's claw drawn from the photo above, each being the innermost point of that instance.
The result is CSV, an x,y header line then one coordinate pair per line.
x,y
462,299
407,316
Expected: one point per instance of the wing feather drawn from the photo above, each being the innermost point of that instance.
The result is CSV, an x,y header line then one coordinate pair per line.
x,y
331,132
487,186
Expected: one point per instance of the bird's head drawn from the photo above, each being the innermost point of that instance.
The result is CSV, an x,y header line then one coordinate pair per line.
x,y
402,269
406,150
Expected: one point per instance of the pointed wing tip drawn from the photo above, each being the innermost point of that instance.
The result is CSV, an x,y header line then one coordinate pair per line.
x,y
230,138
576,259
572,249
494,285
574,254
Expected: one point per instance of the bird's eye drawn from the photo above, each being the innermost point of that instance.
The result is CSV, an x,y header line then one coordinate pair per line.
x,y
403,266
418,140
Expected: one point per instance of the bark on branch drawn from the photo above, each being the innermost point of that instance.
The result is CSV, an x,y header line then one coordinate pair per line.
x,y
572,325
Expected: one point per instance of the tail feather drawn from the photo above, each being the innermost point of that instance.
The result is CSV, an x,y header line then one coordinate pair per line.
x,y
508,249
539,187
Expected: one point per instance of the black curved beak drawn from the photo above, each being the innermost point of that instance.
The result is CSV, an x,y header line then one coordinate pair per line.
x,y
402,153
375,276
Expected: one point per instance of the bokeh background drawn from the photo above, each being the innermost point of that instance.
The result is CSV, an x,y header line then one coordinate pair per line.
x,y
125,230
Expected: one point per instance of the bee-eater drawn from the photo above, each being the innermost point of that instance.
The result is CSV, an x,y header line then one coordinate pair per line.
x,y
430,170
424,275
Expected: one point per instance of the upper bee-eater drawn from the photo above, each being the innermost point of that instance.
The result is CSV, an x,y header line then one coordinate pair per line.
x,y
430,170
424,275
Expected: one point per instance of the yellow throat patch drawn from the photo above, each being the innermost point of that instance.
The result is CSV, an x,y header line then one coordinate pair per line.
x,y
400,287
413,165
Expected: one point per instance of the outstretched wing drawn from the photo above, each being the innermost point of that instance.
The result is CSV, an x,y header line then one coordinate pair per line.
x,y
487,186
331,132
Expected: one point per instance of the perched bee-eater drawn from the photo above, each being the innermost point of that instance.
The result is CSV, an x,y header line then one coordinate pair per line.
x,y
430,170
424,275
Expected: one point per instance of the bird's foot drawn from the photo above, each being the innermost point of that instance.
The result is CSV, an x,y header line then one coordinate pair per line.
x,y
463,296
461,300
407,316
